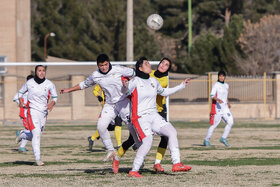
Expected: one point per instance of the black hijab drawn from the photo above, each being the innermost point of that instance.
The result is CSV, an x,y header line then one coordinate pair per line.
x,y
159,74
36,78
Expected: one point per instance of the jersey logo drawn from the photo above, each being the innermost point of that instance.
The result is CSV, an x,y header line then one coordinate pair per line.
x,y
152,85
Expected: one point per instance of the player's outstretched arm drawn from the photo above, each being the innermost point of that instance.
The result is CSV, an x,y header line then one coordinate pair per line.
x,y
68,90
169,91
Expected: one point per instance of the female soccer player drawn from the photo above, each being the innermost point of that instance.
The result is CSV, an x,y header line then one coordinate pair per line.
x,y
23,118
39,88
146,119
161,75
116,102
220,110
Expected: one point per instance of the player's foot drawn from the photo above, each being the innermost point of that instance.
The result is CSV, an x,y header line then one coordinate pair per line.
x,y
134,174
180,167
206,143
158,168
22,150
90,143
224,141
110,154
115,166
39,163
18,136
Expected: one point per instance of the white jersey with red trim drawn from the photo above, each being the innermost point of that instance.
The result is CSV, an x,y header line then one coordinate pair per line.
x,y
38,94
110,83
144,92
220,90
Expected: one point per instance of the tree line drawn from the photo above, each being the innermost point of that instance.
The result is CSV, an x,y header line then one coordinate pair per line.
x,y
240,37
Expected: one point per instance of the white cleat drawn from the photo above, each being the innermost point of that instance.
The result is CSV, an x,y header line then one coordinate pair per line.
x,y
109,155
39,163
18,136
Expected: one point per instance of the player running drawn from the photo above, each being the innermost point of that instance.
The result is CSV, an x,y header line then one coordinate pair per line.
x,y
161,75
39,89
115,125
23,119
146,119
220,110
116,103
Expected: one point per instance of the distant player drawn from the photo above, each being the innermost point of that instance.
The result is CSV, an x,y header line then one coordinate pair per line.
x,y
116,103
220,109
146,119
115,125
23,118
39,90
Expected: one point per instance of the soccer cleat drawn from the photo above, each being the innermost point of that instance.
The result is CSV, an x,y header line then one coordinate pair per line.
x,y
134,174
180,167
206,143
157,168
115,166
224,141
18,134
90,143
22,150
39,163
110,154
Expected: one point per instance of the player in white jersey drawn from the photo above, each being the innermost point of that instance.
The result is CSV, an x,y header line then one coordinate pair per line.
x,y
23,118
145,118
220,110
109,79
39,90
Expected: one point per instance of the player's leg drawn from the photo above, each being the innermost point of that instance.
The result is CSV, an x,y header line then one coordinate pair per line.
x,y
118,131
228,119
107,115
160,153
140,155
38,120
217,120
164,128
161,147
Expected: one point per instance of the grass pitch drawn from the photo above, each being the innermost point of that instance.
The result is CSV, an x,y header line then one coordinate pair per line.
x,y
252,160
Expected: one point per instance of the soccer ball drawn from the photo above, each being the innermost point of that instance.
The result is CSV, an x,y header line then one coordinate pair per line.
x,y
154,21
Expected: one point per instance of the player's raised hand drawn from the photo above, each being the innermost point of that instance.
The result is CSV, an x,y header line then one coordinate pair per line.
x,y
187,81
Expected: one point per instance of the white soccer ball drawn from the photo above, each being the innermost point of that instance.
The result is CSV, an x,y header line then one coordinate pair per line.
x,y
154,21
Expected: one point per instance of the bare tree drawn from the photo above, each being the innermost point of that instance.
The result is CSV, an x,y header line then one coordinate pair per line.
x,y
260,43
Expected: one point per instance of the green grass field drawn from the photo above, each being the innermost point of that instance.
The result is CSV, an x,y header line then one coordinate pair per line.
x,y
252,160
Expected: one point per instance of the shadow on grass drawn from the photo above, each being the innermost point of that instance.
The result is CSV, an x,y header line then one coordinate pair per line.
x,y
96,150
124,171
17,163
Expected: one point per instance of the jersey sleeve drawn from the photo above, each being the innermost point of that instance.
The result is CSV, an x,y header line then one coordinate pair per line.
x,y
213,91
53,92
169,91
127,72
23,90
131,85
87,83
16,98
